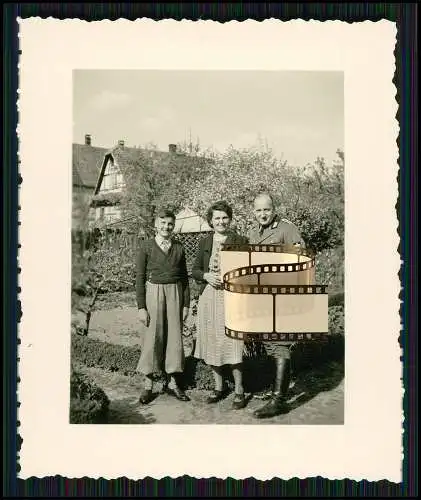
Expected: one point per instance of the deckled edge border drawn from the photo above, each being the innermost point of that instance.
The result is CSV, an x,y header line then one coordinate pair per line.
x,y
56,12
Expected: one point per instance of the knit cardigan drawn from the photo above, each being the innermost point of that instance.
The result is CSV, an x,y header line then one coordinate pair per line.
x,y
201,263
156,266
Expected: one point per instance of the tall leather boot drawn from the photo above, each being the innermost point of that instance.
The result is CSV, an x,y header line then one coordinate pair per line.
x,y
277,403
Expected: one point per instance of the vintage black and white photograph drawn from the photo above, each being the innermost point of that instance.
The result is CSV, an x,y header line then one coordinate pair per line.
x,y
214,276
167,167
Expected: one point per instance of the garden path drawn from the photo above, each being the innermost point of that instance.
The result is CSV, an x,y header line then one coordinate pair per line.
x,y
325,408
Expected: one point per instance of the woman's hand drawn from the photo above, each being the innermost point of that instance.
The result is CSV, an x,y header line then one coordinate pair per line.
x,y
213,279
144,316
185,313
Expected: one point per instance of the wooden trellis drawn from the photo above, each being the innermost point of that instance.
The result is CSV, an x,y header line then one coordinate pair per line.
x,y
190,242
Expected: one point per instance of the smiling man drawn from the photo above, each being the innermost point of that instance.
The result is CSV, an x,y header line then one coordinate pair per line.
x,y
270,229
163,299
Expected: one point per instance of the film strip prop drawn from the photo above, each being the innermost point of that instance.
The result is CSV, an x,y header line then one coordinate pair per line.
x,y
270,294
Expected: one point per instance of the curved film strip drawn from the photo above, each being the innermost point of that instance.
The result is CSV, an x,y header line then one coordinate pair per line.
x,y
270,294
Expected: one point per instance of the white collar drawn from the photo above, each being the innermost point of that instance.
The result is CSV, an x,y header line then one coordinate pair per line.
x,y
160,240
219,237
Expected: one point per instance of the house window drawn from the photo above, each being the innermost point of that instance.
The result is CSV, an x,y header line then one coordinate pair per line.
x,y
99,213
111,213
110,181
91,215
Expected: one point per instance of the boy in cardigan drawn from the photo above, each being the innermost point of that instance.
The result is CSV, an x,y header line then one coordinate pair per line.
x,y
163,300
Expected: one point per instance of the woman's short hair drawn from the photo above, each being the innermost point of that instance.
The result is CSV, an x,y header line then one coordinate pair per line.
x,y
219,206
165,213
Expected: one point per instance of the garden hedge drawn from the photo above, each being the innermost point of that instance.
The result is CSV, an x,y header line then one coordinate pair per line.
x,y
258,370
112,357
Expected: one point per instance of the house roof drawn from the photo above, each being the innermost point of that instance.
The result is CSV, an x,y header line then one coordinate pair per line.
x,y
86,164
124,156
188,221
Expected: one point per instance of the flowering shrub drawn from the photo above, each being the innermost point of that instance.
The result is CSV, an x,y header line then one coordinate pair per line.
x,y
312,197
330,268
317,226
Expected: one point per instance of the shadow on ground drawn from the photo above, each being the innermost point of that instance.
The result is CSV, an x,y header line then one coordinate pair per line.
x,y
316,366
126,411
312,382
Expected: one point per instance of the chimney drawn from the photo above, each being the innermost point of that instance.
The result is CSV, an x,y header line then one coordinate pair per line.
x,y
87,140
172,148
121,143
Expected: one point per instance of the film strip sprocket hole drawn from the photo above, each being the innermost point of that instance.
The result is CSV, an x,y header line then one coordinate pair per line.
x,y
270,294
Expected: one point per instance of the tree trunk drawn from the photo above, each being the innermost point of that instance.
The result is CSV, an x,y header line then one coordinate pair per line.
x,y
90,309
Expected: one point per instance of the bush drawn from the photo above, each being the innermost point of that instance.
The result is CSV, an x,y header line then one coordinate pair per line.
x,y
112,357
309,355
197,375
317,225
337,320
88,403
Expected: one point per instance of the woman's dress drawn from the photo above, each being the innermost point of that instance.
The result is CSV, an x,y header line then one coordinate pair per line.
x,y
212,345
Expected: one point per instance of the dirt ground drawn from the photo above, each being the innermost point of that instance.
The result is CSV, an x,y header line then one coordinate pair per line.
x,y
119,325
325,408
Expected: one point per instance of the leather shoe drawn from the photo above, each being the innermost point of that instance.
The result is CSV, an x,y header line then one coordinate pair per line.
x,y
145,396
178,393
239,402
215,397
275,406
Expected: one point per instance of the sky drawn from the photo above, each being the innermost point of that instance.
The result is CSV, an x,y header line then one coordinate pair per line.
x,y
299,114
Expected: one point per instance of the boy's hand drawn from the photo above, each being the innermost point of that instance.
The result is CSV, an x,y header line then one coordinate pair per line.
x,y
185,313
144,316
